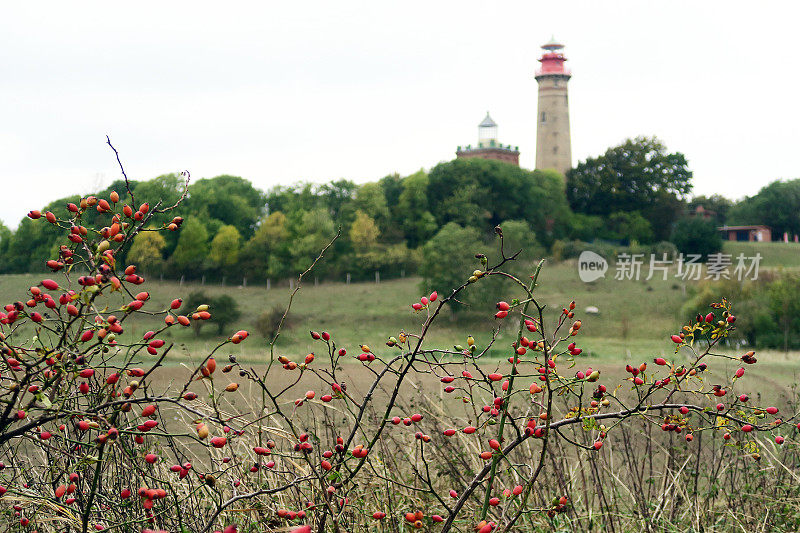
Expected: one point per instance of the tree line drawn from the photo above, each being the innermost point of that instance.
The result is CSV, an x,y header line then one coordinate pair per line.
x,y
635,192
233,229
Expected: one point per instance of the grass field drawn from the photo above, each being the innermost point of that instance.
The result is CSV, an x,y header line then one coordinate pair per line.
x,y
634,319
633,315
774,254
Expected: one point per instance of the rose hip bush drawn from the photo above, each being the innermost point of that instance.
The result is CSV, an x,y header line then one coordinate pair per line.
x,y
91,440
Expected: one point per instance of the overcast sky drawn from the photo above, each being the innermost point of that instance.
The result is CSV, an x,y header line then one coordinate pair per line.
x,y
279,92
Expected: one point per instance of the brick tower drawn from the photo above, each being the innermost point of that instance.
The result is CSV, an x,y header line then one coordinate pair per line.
x,y
488,147
553,147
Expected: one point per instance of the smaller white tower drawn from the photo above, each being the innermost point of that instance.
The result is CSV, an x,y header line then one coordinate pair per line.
x,y
487,133
488,145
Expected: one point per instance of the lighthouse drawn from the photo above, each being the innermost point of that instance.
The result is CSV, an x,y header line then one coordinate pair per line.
x,y
553,146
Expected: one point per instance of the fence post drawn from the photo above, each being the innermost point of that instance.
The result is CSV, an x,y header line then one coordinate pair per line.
x,y
223,281
348,279
203,280
402,272
316,281
269,284
181,280
244,281
291,284
377,277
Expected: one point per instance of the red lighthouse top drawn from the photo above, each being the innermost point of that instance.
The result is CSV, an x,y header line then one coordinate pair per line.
x,y
552,59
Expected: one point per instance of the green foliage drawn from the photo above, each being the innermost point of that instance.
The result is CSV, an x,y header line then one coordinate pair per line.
x,y
147,250
226,200
770,304
628,226
310,232
190,253
482,193
5,241
664,248
638,175
224,250
414,209
584,227
717,204
775,205
392,187
448,260
563,250
265,254
224,311
784,303
364,232
268,322
518,235
337,198
693,235
388,259
30,242
223,308
371,201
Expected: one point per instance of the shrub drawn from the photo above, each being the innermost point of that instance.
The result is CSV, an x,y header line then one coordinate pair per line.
x,y
694,235
269,321
224,310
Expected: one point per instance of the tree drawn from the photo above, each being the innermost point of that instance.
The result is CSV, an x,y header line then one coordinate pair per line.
x,y
28,243
775,205
265,253
5,242
392,186
147,249
415,217
585,227
337,198
693,235
447,260
518,235
717,204
224,250
310,232
224,311
631,227
190,253
364,232
637,175
371,201
226,200
784,302
167,188
482,193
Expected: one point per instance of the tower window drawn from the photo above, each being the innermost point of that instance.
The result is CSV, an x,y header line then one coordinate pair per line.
x,y
544,117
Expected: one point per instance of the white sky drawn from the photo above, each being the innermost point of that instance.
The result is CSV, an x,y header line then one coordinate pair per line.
x,y
284,91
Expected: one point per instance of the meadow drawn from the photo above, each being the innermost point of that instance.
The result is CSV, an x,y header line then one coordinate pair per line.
x,y
634,321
